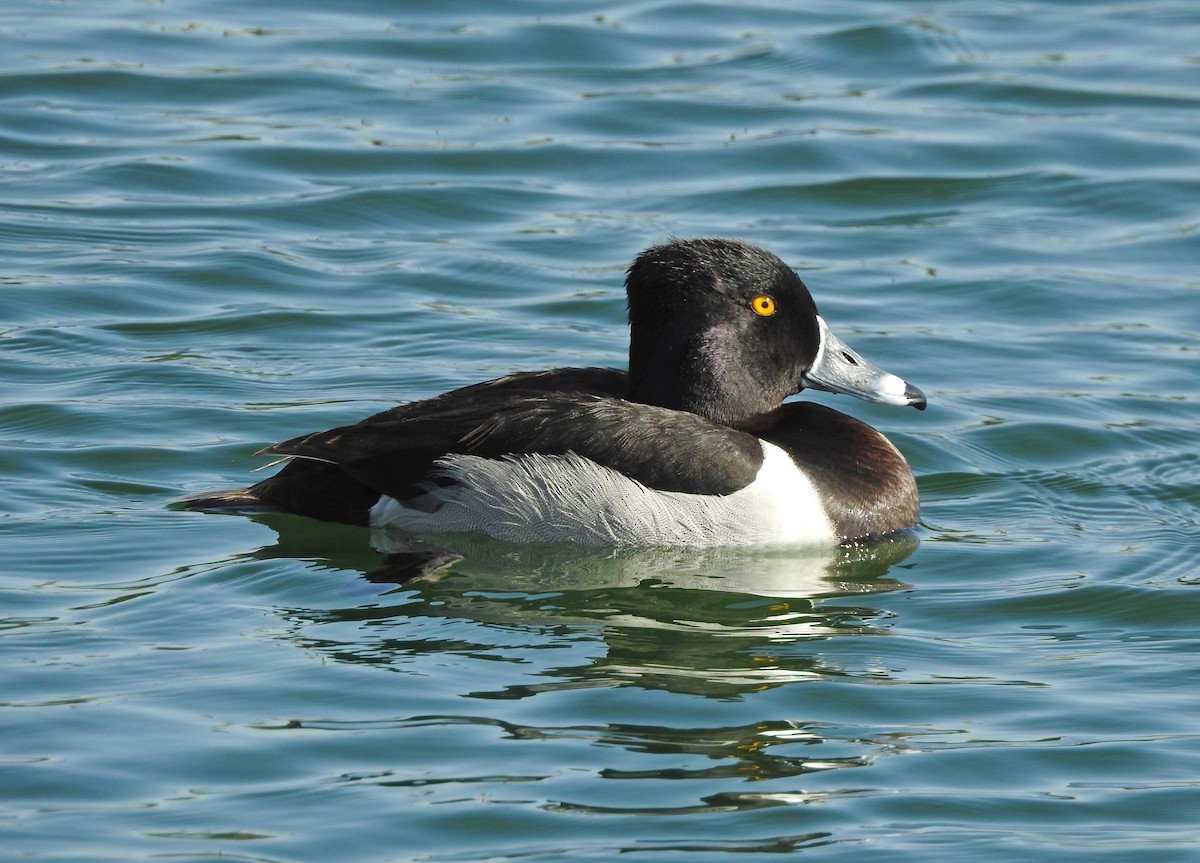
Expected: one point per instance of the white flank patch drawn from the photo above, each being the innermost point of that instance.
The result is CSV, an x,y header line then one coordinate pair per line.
x,y
568,498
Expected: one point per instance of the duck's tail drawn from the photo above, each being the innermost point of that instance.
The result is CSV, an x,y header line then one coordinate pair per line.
x,y
231,500
304,487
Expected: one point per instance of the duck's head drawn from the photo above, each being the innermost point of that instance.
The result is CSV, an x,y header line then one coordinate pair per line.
x,y
727,330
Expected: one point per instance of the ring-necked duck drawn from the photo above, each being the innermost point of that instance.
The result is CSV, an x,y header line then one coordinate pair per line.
x,y
692,446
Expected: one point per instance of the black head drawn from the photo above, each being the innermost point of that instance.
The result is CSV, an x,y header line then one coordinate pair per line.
x,y
727,330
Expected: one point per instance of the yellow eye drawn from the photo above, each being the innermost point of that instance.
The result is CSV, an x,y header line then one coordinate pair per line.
x,y
763,305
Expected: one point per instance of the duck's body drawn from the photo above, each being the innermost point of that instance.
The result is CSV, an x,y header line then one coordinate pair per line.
x,y
692,446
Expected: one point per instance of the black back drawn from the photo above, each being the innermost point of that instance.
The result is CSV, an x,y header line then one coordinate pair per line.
x,y
338,474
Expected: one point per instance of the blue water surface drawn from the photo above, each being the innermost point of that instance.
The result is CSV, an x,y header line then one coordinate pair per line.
x,y
225,224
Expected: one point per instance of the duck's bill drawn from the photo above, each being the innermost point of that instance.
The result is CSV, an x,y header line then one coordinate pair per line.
x,y
838,369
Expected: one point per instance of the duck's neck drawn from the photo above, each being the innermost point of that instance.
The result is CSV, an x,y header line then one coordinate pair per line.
x,y
701,378
655,367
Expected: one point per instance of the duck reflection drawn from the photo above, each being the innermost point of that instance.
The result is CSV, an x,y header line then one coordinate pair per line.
x,y
714,622
786,572
773,755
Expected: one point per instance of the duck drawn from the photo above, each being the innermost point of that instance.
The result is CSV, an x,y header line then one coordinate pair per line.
x,y
694,444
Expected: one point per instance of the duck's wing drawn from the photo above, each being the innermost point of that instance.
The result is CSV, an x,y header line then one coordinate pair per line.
x,y
394,452
313,484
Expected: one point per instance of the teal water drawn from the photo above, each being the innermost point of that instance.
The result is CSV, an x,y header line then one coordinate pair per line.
x,y
224,224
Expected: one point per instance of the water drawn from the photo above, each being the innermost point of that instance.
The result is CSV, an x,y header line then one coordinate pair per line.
x,y
226,224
